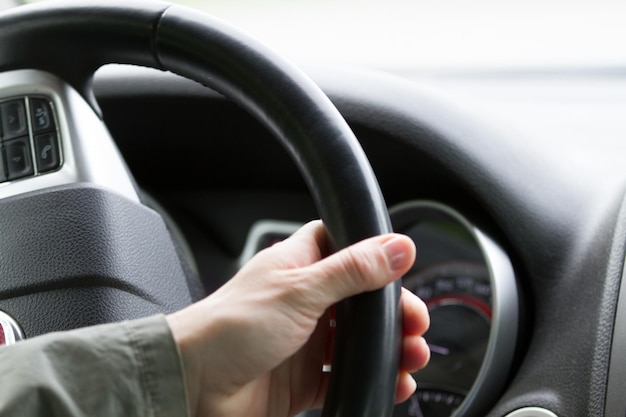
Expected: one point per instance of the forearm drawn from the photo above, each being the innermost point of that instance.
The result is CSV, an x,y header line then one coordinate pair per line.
x,y
123,369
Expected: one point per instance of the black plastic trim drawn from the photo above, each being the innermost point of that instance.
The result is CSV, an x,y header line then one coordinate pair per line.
x,y
52,242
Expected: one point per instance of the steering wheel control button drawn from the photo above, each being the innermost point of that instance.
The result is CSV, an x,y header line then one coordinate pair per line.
x,y
14,121
19,163
28,130
10,331
41,114
47,151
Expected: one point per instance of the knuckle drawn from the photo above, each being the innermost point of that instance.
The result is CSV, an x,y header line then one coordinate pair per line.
x,y
365,266
300,296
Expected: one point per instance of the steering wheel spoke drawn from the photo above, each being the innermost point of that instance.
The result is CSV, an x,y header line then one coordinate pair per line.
x,y
71,146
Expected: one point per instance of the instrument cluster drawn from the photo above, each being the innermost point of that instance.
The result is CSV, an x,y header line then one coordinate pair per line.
x,y
467,282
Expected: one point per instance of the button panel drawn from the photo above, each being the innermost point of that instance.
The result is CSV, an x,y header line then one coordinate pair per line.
x,y
29,138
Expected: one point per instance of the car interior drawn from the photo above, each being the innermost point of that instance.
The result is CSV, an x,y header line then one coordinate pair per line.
x,y
150,150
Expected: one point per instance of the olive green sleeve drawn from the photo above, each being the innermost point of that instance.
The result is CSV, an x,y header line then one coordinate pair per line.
x,y
124,369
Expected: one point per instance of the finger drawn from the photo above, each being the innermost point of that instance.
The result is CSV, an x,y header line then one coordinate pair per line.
x,y
313,232
405,387
305,246
318,402
415,353
364,266
416,319
406,384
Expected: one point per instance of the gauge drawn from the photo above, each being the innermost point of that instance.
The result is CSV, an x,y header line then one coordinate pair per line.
x,y
468,286
458,296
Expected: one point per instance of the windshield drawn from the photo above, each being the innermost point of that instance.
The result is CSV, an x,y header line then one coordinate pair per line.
x,y
436,35
407,35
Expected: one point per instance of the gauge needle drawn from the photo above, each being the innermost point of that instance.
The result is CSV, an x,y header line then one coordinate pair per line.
x,y
439,349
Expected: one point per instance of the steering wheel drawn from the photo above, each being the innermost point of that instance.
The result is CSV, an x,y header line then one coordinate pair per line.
x,y
79,248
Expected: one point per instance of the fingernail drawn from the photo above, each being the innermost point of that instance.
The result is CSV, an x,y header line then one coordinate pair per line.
x,y
397,253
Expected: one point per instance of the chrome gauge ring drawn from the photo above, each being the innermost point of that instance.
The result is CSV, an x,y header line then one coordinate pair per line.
x,y
468,284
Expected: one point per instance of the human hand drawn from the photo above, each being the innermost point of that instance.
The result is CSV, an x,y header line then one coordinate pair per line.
x,y
256,346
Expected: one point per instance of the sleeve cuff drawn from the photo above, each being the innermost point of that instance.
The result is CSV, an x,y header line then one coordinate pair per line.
x,y
160,366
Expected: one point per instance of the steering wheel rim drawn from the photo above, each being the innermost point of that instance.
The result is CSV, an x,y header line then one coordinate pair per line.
x,y
72,40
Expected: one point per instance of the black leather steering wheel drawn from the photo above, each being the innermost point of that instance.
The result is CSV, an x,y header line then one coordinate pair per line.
x,y
77,253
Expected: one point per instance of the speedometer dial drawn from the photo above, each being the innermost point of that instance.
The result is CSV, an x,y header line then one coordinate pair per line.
x,y
463,279
458,296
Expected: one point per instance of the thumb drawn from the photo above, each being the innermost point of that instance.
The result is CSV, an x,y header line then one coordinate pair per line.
x,y
365,266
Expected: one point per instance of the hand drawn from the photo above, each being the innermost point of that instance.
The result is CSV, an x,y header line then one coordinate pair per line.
x,y
256,346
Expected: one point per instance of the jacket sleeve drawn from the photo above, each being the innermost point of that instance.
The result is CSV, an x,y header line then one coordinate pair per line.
x,y
123,369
